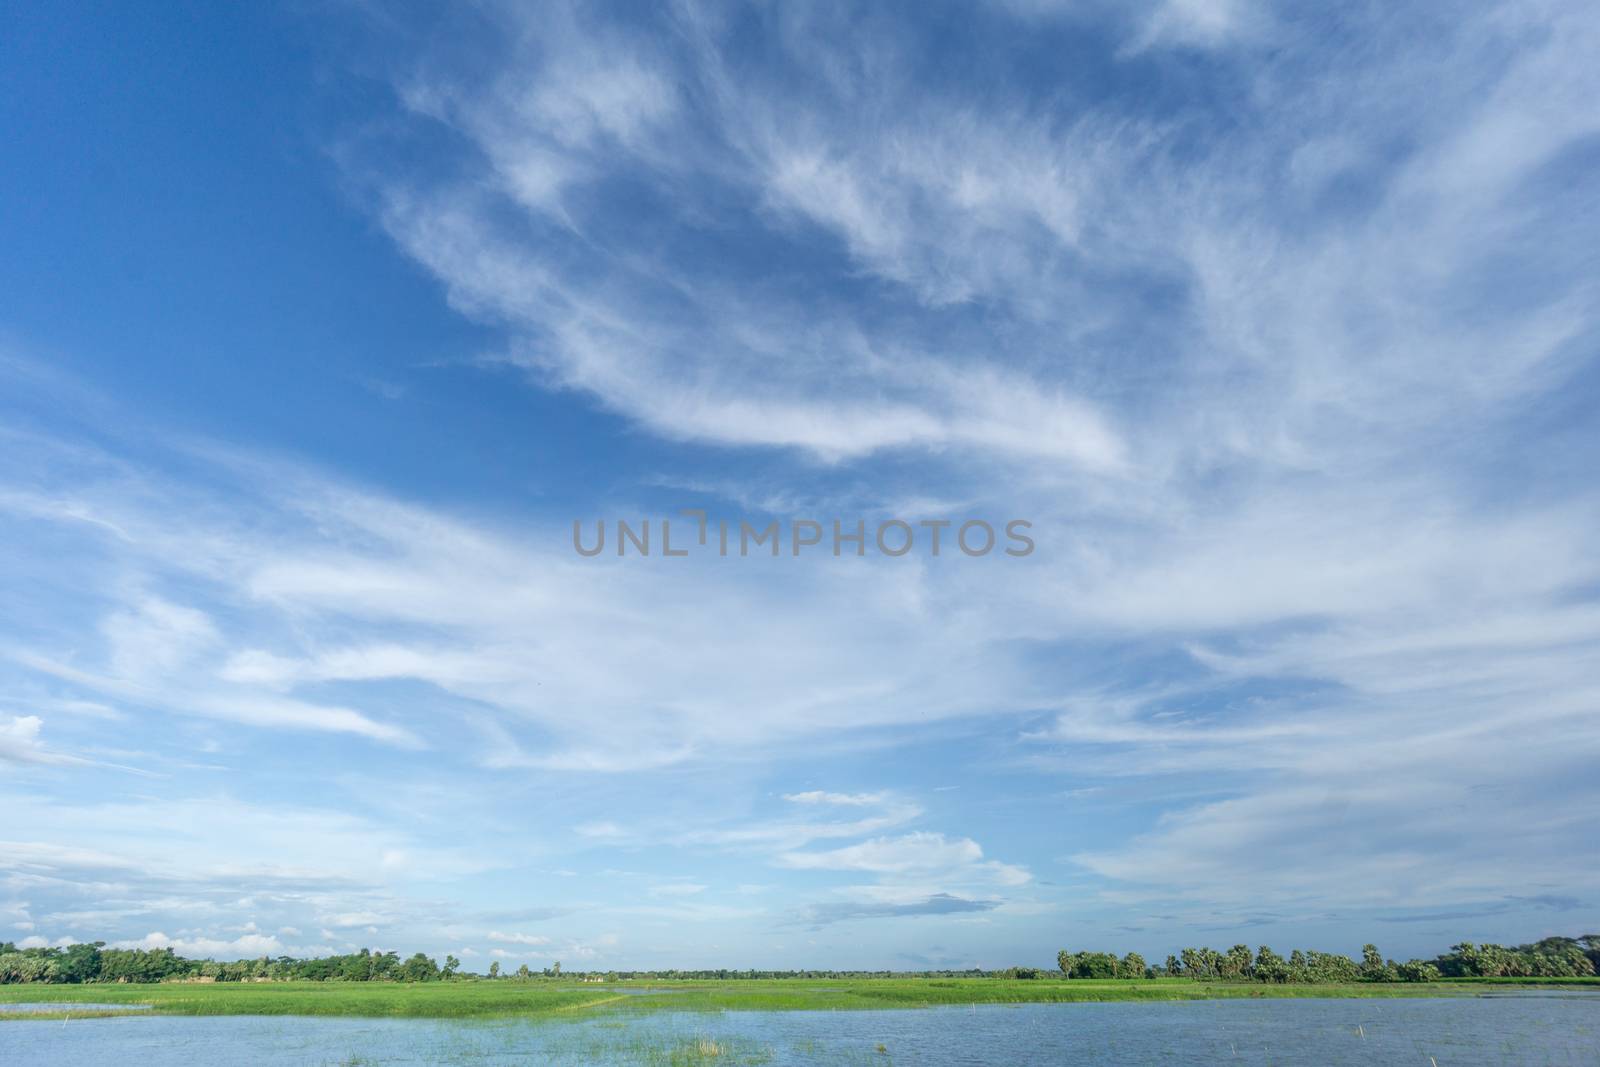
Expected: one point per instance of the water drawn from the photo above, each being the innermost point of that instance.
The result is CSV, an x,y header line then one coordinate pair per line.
x,y
1547,1029
74,1006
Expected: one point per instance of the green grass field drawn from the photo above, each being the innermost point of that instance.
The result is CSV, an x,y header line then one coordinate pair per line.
x,y
465,999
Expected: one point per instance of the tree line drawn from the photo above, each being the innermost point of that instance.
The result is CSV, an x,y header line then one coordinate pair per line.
x,y
1554,957
96,963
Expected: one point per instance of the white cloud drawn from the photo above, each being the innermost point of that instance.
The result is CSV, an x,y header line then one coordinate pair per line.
x,y
920,854
721,366
19,741
247,946
238,705
818,796
788,834
547,634
1200,23
910,852
214,845
153,637
39,942
535,940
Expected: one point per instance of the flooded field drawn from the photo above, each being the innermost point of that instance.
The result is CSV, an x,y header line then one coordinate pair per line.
x,y
1555,1028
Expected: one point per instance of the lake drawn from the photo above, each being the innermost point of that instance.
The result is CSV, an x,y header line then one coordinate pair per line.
x,y
1508,1029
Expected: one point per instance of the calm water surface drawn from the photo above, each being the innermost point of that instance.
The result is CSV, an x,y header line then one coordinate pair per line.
x,y
24,1009
1547,1029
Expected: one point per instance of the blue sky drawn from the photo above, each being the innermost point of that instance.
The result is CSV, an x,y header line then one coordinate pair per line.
x,y
319,326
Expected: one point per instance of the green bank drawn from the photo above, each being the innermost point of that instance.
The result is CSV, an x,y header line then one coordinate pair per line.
x,y
469,998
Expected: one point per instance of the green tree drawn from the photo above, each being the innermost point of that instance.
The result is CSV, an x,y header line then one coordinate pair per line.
x,y
80,963
1269,966
27,967
1418,971
1131,966
1094,965
494,969
1373,967
1331,967
419,968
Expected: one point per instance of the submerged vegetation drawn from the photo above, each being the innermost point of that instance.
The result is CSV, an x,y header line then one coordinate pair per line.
x,y
431,1000
470,998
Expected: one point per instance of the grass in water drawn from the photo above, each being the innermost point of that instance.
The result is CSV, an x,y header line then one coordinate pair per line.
x,y
470,999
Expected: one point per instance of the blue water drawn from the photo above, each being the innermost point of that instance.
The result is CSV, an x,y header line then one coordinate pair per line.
x,y
23,1009
1544,1029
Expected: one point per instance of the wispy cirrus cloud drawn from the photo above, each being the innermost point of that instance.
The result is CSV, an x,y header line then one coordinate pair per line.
x,y
820,796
